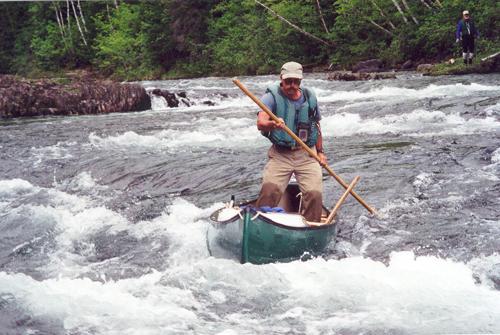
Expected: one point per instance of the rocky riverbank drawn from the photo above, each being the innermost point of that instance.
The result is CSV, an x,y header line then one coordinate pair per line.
x,y
488,64
373,69
69,96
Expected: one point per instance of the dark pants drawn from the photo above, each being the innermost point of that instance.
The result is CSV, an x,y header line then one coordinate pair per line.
x,y
468,43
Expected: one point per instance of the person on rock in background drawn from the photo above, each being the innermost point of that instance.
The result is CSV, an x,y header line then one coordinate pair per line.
x,y
466,32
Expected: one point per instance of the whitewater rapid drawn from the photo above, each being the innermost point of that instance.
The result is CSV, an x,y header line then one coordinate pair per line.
x,y
103,219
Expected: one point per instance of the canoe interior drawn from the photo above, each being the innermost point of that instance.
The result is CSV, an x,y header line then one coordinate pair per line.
x,y
291,201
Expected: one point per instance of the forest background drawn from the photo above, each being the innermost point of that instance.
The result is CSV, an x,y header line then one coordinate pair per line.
x,y
133,40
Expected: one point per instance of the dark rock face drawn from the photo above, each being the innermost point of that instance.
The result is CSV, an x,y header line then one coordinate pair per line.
x,y
173,99
350,76
23,97
371,65
408,65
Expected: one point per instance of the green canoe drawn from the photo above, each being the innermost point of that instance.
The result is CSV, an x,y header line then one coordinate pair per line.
x,y
249,235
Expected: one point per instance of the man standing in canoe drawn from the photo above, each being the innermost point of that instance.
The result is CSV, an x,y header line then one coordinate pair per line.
x,y
297,108
466,32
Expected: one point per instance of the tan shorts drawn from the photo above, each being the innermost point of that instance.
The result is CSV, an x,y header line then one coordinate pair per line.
x,y
283,162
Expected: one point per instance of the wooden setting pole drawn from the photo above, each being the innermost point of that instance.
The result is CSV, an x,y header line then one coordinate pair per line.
x,y
303,145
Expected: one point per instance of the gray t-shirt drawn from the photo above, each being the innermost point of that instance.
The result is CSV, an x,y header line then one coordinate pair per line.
x,y
268,100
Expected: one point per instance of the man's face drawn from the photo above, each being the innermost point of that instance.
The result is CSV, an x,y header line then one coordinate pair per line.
x,y
466,17
290,86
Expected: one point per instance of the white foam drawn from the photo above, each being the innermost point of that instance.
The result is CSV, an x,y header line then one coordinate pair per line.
x,y
127,139
493,110
495,156
414,123
14,186
184,224
399,93
77,219
158,102
242,132
215,103
84,182
420,295
486,267
204,132
52,152
73,218
132,306
422,180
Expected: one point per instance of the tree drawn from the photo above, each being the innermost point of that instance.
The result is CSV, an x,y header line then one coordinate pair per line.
x,y
120,45
12,17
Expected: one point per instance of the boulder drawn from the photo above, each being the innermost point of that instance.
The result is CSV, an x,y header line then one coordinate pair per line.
x,y
371,65
22,97
425,68
171,98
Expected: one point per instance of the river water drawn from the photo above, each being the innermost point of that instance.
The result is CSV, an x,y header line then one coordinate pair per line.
x,y
103,218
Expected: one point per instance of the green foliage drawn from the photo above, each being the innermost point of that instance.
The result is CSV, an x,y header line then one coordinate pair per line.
x,y
120,46
10,25
159,38
433,38
188,27
236,32
245,38
48,47
355,37
179,38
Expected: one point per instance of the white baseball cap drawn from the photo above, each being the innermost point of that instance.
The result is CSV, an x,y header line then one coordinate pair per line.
x,y
291,70
465,12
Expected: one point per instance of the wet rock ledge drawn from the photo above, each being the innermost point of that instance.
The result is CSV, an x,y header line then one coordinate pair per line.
x,y
24,97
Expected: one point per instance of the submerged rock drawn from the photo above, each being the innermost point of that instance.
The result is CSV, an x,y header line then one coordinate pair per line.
x,y
172,99
350,76
24,97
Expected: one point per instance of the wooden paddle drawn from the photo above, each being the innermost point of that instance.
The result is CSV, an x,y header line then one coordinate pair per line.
x,y
339,203
303,145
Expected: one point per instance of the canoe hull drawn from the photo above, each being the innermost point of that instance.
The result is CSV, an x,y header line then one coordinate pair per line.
x,y
251,237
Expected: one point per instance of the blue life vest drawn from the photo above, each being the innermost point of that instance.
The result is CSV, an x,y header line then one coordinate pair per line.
x,y
303,117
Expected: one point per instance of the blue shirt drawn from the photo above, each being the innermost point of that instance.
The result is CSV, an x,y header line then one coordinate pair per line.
x,y
466,28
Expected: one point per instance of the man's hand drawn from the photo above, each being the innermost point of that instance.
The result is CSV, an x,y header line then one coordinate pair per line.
x,y
272,125
323,160
280,124
457,40
265,123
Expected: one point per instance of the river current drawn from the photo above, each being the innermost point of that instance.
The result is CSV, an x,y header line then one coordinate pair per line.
x,y
103,218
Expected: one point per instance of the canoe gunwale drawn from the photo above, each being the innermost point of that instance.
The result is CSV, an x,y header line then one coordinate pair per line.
x,y
266,220
215,222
